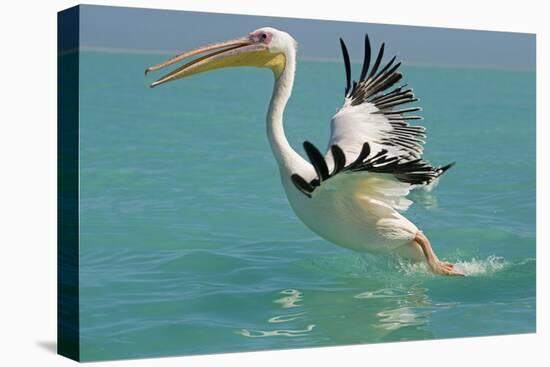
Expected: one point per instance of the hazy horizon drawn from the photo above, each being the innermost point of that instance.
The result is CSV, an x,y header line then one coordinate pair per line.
x,y
111,28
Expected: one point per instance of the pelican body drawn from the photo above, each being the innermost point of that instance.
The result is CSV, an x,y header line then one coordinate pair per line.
x,y
353,195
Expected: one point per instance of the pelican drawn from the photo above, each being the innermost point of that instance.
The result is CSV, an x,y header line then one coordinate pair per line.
x,y
353,195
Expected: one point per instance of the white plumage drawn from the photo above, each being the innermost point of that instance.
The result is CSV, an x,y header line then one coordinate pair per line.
x,y
352,126
354,194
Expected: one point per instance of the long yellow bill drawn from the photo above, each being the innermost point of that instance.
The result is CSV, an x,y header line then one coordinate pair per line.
x,y
237,52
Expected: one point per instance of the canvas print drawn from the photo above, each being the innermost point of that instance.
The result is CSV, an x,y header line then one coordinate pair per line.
x,y
233,183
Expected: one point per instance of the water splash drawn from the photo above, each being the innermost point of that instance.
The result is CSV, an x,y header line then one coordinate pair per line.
x,y
473,267
424,197
490,265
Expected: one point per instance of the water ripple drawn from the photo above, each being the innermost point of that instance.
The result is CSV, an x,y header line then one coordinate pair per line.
x,y
292,297
262,333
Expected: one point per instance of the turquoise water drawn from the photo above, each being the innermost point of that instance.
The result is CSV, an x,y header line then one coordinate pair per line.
x,y
189,246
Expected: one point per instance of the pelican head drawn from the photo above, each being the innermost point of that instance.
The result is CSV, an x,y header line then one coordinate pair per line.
x,y
264,48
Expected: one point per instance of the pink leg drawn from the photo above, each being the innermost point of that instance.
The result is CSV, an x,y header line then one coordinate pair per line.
x,y
436,266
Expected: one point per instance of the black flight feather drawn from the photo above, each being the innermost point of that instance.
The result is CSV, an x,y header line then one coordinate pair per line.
x,y
365,151
302,184
366,59
371,87
347,64
317,160
339,159
377,62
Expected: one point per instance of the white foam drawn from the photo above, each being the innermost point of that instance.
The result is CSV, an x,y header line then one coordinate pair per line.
x,y
473,267
490,265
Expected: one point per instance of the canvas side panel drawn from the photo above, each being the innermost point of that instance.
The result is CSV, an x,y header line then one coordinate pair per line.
x,y
68,339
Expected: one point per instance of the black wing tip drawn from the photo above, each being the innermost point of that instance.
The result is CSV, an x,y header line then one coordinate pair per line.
x,y
366,58
336,148
363,154
378,61
339,159
443,169
347,64
367,40
302,185
317,160
308,145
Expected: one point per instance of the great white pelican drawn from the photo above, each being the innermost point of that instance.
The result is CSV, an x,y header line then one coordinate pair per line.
x,y
354,194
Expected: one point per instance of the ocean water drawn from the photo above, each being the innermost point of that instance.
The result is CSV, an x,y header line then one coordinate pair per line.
x,y
188,244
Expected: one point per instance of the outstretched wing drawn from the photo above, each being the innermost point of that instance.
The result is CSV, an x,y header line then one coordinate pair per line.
x,y
391,168
375,113
371,134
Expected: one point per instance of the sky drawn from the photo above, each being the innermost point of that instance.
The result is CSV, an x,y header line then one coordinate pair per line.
x,y
138,29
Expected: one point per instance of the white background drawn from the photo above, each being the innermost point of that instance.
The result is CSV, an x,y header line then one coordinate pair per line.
x,y
28,182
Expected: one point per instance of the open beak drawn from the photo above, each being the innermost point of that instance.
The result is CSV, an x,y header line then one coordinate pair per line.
x,y
237,52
